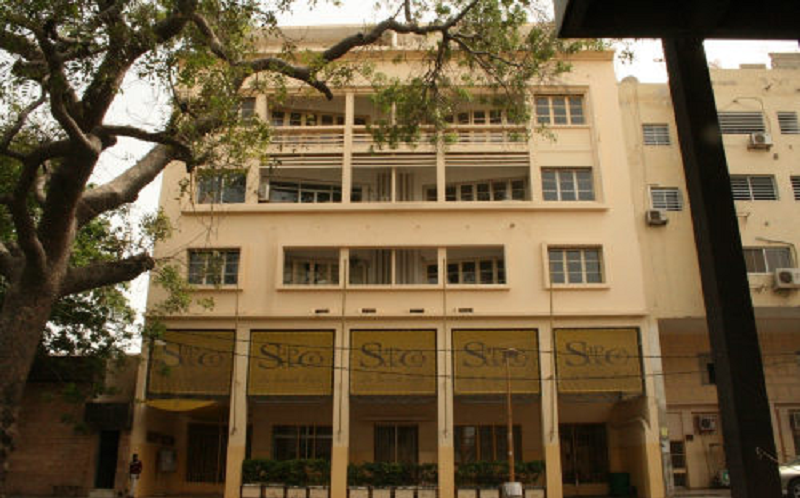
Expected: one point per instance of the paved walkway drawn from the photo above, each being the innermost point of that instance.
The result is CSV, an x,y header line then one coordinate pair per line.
x,y
702,493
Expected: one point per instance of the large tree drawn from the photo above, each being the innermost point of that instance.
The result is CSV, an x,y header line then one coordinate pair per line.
x,y
62,65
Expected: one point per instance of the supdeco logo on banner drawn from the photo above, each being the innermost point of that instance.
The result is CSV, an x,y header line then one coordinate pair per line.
x,y
393,362
288,363
598,360
192,362
480,361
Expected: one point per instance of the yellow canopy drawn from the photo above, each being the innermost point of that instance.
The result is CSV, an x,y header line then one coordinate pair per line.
x,y
179,405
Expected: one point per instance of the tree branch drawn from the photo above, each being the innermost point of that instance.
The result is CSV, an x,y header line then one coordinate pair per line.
x,y
105,273
213,41
8,136
126,187
300,73
7,262
27,237
146,136
19,45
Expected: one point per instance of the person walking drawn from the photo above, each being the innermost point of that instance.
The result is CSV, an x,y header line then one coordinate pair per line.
x,y
135,471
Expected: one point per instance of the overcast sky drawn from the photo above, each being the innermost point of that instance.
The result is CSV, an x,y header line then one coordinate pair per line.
x,y
141,104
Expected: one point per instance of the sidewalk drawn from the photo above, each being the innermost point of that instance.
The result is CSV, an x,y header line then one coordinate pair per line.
x,y
702,493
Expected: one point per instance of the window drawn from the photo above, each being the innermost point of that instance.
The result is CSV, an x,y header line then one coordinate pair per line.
x,y
708,373
311,267
753,188
479,265
413,266
767,259
214,267
656,134
292,442
794,419
562,184
485,443
741,123
247,108
677,450
796,187
787,120
396,443
575,265
220,186
560,110
668,198
505,189
305,118
302,192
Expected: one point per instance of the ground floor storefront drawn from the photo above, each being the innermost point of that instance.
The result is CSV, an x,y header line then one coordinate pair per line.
x,y
414,406
692,418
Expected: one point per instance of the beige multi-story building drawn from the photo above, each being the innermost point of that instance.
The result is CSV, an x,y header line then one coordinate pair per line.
x,y
373,304
758,110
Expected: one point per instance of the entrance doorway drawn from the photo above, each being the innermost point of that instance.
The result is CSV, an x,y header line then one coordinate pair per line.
x,y
584,456
206,453
107,453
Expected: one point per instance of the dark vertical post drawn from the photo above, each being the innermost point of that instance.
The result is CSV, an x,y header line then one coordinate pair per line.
x,y
746,422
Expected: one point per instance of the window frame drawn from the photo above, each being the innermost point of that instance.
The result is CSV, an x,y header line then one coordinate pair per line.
x,y
795,181
666,204
497,431
788,123
214,187
395,449
752,193
550,119
453,191
765,259
569,174
656,134
583,248
497,269
223,268
737,122
309,432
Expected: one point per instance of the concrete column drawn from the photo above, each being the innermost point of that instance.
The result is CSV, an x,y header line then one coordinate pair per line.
x,y
341,414
138,444
347,153
237,421
441,177
444,371
550,439
655,413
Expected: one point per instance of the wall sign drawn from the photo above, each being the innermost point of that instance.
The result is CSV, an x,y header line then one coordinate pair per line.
x,y
191,362
598,360
291,363
393,362
479,360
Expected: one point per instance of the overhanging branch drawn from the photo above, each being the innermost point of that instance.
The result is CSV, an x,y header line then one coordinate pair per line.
x,y
105,273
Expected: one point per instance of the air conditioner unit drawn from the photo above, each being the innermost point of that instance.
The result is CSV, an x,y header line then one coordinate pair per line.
x,y
656,217
760,140
795,419
263,192
707,423
787,278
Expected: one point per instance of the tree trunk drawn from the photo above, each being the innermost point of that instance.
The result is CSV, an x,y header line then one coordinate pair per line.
x,y
24,314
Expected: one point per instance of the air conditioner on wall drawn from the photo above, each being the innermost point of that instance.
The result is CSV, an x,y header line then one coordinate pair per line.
x,y
706,423
656,217
760,140
787,278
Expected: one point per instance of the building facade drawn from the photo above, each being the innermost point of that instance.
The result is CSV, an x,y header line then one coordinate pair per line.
x,y
758,117
375,305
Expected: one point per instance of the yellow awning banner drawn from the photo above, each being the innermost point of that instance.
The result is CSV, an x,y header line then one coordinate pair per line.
x,y
598,361
179,405
291,363
480,361
191,362
393,362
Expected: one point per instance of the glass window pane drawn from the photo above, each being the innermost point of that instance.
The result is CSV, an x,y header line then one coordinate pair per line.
x,y
500,191
483,192
566,184
452,273
407,444
501,272
543,110
466,193
576,110
518,190
559,110
384,443
468,272
574,266
487,272
486,444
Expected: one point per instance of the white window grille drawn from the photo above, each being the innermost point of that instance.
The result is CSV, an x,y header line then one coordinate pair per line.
x,y
753,188
787,120
668,198
220,186
796,187
656,134
213,266
741,123
767,259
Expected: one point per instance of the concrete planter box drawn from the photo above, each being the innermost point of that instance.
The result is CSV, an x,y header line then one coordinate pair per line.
x,y
296,492
318,492
404,492
251,491
358,492
426,493
381,493
534,492
273,491
489,493
467,493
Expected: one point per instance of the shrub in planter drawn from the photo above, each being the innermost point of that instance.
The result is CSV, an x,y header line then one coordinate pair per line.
x,y
492,474
384,474
287,472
